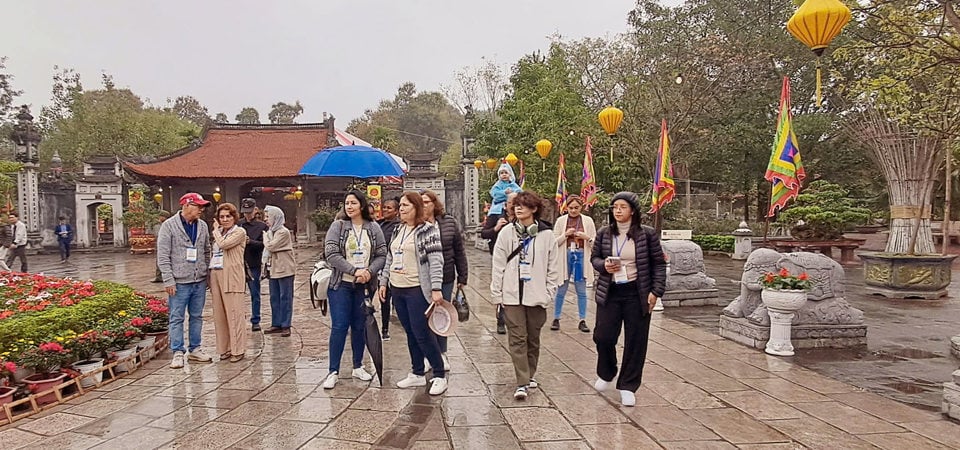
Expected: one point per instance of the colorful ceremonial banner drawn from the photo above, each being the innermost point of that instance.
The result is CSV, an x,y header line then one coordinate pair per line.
x,y
561,195
785,170
663,185
588,185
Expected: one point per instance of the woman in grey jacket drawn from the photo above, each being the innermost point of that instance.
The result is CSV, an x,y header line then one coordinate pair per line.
x,y
414,269
355,250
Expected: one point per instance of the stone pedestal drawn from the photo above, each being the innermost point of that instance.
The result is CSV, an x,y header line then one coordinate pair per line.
x,y
743,244
955,346
907,276
687,281
951,397
824,320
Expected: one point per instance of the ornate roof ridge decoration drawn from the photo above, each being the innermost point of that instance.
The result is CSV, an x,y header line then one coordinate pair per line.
x,y
267,126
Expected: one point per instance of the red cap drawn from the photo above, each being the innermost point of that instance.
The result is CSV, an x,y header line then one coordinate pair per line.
x,y
193,198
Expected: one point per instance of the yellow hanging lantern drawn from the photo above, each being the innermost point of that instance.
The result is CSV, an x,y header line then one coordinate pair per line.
x,y
478,164
491,164
298,193
217,196
815,24
158,197
543,148
610,119
511,159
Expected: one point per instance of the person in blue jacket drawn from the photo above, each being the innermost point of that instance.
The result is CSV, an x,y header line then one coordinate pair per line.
x,y
506,185
64,234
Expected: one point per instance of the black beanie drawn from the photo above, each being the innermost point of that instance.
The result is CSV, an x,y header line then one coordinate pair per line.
x,y
628,197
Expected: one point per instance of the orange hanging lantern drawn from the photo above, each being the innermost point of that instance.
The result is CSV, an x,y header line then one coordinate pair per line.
x,y
491,163
478,164
543,148
610,119
815,24
511,159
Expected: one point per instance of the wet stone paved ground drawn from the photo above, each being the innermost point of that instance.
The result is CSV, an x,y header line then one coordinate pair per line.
x,y
699,390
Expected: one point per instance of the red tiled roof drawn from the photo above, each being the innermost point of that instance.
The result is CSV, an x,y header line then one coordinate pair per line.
x,y
241,151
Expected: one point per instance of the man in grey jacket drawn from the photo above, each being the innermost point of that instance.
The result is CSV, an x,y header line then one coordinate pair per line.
x,y
183,246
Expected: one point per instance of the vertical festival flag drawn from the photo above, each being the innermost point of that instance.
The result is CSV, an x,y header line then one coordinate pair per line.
x,y
522,179
785,170
561,195
588,185
663,185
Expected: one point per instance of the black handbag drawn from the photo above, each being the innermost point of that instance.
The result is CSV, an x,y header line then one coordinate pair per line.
x,y
460,302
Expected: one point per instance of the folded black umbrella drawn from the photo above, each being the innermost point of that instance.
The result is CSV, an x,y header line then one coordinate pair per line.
x,y
373,339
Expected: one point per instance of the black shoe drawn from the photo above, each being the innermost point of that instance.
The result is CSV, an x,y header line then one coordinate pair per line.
x,y
255,327
385,335
556,325
583,326
157,280
273,330
501,328
285,332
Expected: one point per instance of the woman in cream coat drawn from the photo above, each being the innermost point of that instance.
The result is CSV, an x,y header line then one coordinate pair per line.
x,y
575,233
227,284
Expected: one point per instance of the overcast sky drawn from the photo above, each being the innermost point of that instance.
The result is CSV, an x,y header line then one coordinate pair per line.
x,y
338,56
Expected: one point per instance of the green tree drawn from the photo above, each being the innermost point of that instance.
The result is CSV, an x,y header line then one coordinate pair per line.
x,y
285,113
248,116
7,92
221,118
189,108
66,90
115,122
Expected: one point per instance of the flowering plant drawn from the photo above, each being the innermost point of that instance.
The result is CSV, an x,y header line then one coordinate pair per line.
x,y
89,344
783,280
45,359
7,368
157,311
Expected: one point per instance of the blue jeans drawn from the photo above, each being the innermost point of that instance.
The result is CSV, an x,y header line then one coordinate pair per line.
x,y
281,301
189,299
410,305
575,270
254,286
346,312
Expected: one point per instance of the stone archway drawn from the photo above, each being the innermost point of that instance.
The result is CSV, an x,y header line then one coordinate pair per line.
x,y
87,227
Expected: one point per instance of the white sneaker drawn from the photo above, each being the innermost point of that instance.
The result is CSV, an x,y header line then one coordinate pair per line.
x,y
601,385
659,305
533,384
361,374
520,393
438,386
627,398
177,362
412,381
446,362
199,356
331,381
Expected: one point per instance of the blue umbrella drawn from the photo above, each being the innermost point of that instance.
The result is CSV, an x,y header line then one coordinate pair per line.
x,y
352,161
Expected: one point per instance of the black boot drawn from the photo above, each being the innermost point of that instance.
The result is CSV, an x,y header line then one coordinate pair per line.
x,y
501,325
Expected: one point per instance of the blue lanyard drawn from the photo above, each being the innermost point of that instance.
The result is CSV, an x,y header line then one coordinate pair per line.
x,y
620,246
404,237
358,236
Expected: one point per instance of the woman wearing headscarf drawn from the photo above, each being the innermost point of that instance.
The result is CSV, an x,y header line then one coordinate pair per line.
x,y
355,251
414,271
524,279
280,265
575,233
632,274
228,282
454,255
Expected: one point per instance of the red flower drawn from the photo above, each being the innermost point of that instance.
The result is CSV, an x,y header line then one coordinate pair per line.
x,y
9,367
784,272
803,276
768,278
51,347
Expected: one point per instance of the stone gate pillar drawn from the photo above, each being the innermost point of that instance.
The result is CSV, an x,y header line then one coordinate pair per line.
x,y
26,138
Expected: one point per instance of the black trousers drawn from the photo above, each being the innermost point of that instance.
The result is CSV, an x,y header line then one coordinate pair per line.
x,y
622,308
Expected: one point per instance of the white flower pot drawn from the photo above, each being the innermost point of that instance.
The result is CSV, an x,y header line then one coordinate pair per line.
x,y
782,306
122,354
147,343
88,366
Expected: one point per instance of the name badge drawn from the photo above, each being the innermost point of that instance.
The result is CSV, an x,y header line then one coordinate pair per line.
x,y
525,273
397,261
360,259
191,254
216,260
621,276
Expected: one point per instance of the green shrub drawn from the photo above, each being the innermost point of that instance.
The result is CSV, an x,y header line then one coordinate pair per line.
x,y
826,211
713,242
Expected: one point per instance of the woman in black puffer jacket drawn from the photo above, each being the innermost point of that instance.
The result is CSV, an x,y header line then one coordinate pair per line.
x,y
632,273
454,255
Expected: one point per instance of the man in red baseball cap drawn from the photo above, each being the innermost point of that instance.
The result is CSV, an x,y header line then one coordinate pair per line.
x,y
183,249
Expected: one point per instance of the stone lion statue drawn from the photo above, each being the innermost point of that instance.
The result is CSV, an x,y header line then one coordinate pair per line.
x,y
687,271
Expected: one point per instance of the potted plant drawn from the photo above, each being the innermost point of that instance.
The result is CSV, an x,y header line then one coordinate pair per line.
x,y
783,294
123,337
46,360
823,211
323,216
88,347
7,369
140,217
157,310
